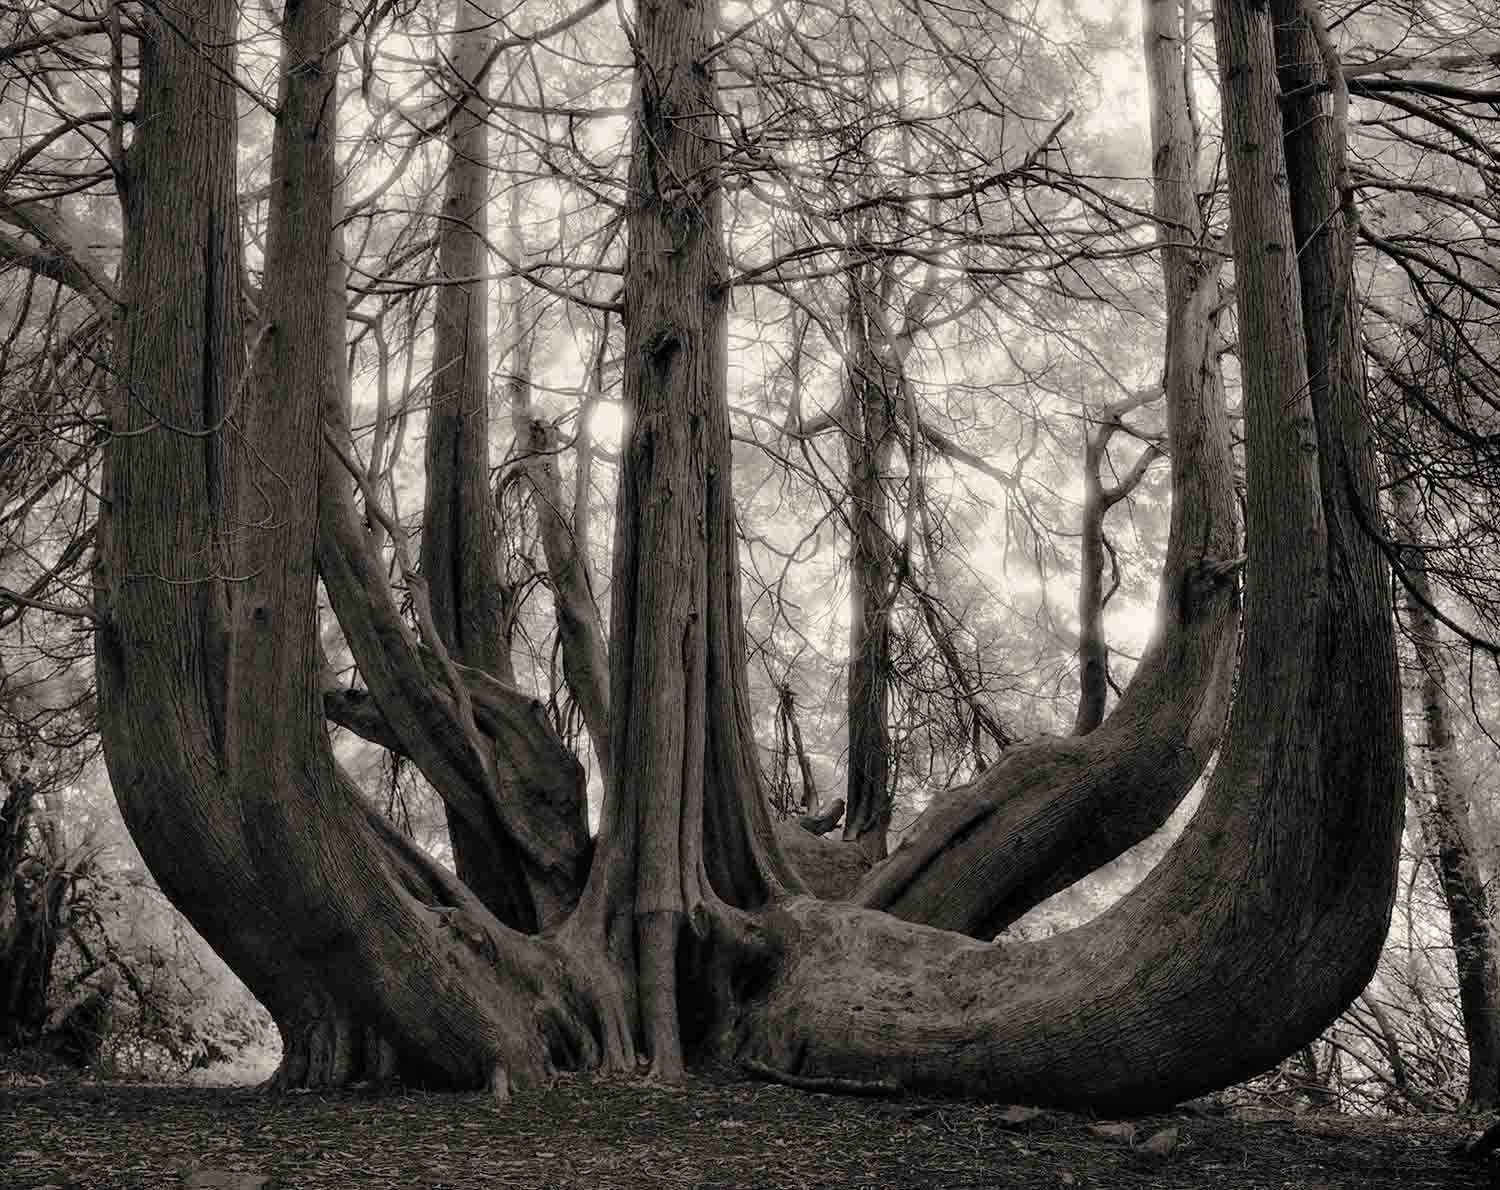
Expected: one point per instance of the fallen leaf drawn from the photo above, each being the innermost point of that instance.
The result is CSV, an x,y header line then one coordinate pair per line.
x,y
223,1179
1122,1131
1161,1144
1016,1115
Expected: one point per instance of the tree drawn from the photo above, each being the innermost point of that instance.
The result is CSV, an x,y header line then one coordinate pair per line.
x,y
1094,679
33,913
1446,826
229,472
1431,408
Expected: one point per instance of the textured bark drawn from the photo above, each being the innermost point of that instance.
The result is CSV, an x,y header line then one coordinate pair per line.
x,y
1267,918
209,702
830,869
684,760
461,739
181,343
1448,830
1052,810
15,813
824,820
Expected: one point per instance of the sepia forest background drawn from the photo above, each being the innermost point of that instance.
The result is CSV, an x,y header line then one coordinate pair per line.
x,y
966,277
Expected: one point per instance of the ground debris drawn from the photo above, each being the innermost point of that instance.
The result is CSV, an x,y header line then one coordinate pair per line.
x,y
715,1134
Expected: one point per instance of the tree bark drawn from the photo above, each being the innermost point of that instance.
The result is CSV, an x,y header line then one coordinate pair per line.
x,y
1052,810
459,725
580,631
33,897
15,814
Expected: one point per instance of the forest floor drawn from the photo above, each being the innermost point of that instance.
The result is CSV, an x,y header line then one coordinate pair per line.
x,y
603,1134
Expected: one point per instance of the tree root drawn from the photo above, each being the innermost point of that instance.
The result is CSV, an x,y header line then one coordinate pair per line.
x,y
872,1088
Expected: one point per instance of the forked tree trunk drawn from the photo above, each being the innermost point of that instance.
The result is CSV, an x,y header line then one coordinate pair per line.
x,y
1052,810
1266,919
368,955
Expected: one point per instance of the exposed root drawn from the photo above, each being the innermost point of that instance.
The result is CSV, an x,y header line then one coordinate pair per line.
x,y
872,1088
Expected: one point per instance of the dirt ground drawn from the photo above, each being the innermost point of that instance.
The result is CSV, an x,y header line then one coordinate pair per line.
x,y
600,1134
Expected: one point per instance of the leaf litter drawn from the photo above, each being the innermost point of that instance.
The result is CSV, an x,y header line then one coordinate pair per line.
x,y
603,1133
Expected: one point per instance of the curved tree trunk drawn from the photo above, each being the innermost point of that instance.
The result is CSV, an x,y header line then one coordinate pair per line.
x,y
514,796
1052,810
1265,920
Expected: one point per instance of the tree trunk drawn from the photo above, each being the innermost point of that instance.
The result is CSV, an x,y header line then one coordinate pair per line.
x,y
32,911
869,439
585,654
685,832
458,558
1093,647
15,815
1052,810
